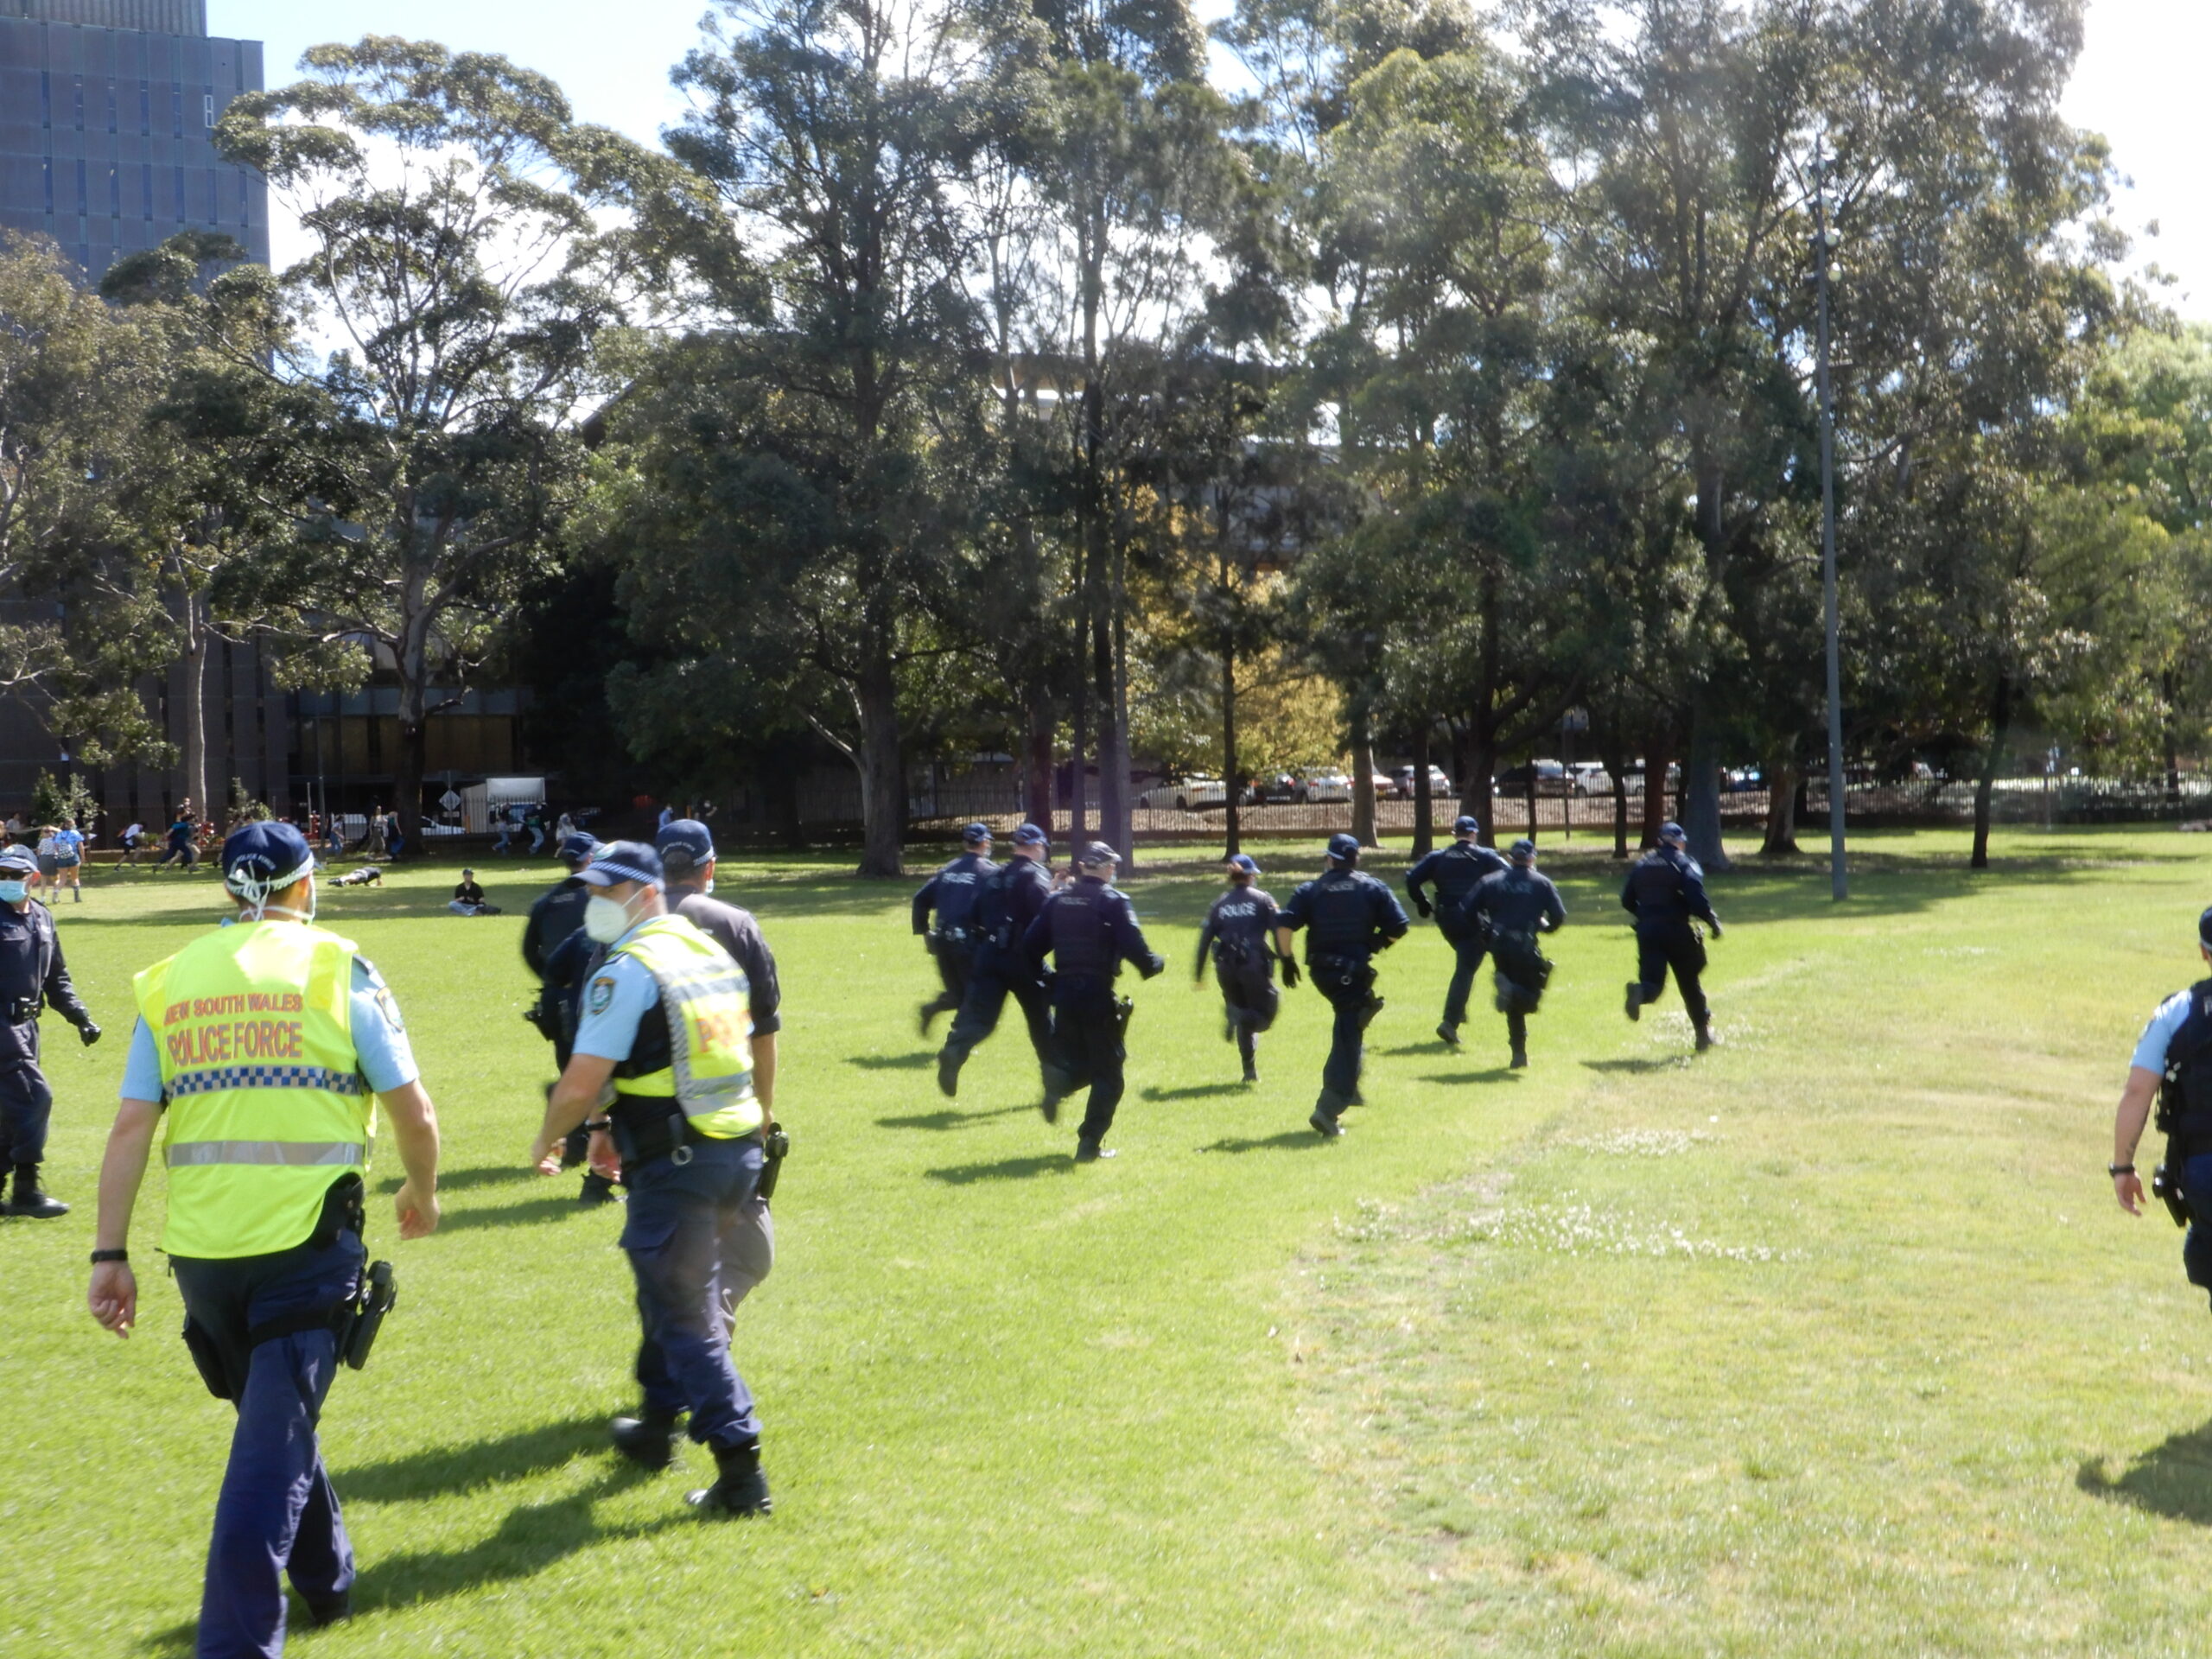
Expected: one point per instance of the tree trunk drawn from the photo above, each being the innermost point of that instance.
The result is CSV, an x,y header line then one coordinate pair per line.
x,y
2000,730
1781,782
1617,768
1475,784
1362,774
1701,795
1532,800
413,725
883,780
1424,796
2172,735
1037,782
1656,759
195,705
1114,803
1232,813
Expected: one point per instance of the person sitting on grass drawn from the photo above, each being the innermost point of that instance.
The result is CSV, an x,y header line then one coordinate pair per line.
x,y
469,899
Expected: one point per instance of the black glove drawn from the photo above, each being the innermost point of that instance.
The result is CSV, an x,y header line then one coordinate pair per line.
x,y
1289,971
1716,927
88,1034
1422,907
1153,966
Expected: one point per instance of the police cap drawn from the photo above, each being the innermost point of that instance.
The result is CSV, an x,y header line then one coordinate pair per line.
x,y
2203,922
265,857
1465,827
1244,863
579,846
1672,831
684,844
1030,835
1523,851
975,833
1097,852
624,861
18,861
1344,849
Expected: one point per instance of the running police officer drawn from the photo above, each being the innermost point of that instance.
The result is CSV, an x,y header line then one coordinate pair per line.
x,y
272,1033
1455,869
1239,934
687,856
666,1022
1090,929
556,948
1011,898
2172,1069
1347,916
951,894
1512,907
1665,893
32,975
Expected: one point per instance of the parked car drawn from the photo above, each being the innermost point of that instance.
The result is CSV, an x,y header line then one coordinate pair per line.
x,y
1550,777
1190,795
1402,783
1329,786
1280,789
1591,778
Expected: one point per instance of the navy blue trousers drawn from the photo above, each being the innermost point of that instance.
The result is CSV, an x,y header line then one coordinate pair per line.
x,y
1467,952
1087,1048
688,1231
26,1109
992,979
1664,945
277,1514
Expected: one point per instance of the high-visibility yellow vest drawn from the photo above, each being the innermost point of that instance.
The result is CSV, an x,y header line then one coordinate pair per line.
x,y
708,1005
267,1107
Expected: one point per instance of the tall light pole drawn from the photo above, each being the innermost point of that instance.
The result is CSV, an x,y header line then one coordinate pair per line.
x,y
1839,876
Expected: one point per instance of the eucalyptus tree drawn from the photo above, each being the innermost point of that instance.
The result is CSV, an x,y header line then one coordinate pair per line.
x,y
448,202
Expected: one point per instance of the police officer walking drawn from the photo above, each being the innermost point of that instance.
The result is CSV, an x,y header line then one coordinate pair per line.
x,y
1090,929
951,894
1455,870
1511,908
1012,896
1239,935
1665,893
2172,1069
557,951
666,1021
1347,916
32,975
256,1050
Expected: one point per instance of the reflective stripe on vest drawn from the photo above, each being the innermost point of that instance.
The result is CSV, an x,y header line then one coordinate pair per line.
x,y
266,1105
708,1005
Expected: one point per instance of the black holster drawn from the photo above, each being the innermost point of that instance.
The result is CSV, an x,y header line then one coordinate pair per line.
x,y
1124,1007
775,1146
207,1359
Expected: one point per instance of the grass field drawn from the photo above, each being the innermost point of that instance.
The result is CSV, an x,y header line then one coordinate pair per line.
x,y
1830,1342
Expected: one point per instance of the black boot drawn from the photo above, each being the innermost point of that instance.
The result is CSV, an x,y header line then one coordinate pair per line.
x,y
947,1073
1634,1007
328,1610
1705,1037
648,1440
739,1488
30,1200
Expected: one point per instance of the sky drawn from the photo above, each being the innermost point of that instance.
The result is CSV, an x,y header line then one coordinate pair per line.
x,y
2140,83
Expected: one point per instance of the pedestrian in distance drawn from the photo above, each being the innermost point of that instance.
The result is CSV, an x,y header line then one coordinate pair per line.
x,y
1665,891
69,860
33,977
468,898
272,1033
183,840
1090,928
1349,917
951,895
1512,908
1453,871
558,953
1010,898
1238,937
2171,1072
687,854
666,1023
132,835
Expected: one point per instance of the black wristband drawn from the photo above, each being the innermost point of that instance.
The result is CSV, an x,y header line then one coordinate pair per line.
x,y
2117,1170
98,1256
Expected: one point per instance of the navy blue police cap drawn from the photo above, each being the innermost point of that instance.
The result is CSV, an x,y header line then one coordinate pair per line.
x,y
264,857
2203,922
623,860
1523,850
975,833
1344,848
1099,851
578,845
1465,827
18,860
1671,831
1244,862
684,844
1030,835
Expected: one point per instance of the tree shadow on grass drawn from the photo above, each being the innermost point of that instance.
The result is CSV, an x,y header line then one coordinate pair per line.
x,y
530,1212
1287,1138
1195,1090
455,1179
893,1062
1005,1169
950,1118
2173,1479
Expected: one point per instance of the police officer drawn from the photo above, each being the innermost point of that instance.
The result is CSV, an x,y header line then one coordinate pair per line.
x,y
556,949
32,975
687,856
1090,929
951,892
1665,893
1011,898
666,1021
271,1034
1239,934
1511,908
2172,1069
1347,916
1455,870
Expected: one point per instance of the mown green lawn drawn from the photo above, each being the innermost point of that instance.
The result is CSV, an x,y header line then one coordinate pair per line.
x,y
1829,1342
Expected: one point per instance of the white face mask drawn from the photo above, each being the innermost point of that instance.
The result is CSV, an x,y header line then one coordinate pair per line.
x,y
709,887
606,920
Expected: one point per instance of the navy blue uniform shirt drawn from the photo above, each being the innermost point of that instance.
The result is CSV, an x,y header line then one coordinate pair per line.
x,y
951,892
1515,901
1666,885
557,912
1011,898
1346,912
1244,921
1455,870
1090,929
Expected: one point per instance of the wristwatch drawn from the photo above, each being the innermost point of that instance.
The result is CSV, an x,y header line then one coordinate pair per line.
x,y
604,1125
2117,1170
98,1256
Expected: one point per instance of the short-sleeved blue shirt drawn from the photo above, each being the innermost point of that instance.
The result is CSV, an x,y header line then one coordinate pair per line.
x,y
379,1039
2158,1035
613,1001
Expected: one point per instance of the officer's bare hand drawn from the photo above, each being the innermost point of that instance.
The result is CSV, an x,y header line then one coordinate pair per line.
x,y
113,1297
2128,1189
602,1157
545,1154
418,1217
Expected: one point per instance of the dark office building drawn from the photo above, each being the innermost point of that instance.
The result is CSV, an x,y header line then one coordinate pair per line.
x,y
107,119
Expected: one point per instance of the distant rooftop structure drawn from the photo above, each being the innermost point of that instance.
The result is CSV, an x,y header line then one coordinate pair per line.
x,y
152,16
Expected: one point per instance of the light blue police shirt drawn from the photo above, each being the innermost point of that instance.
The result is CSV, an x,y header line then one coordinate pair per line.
x,y
2158,1035
379,1039
615,1000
